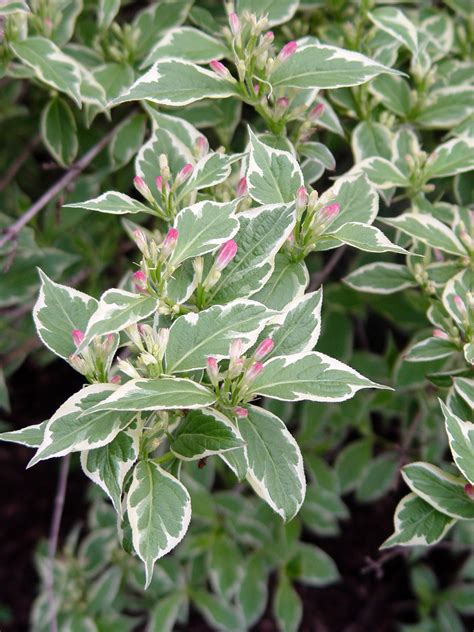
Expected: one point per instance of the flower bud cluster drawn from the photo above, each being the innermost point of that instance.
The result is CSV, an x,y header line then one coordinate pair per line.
x,y
155,266
224,256
94,360
232,384
151,345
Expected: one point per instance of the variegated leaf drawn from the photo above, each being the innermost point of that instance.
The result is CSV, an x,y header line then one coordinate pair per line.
x,y
461,441
112,202
185,42
381,278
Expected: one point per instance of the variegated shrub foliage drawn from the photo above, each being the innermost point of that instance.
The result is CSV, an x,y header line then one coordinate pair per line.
x,y
219,314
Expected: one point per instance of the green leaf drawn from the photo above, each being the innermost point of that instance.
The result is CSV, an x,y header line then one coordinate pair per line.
x,y
195,336
57,312
430,349
166,612
177,82
277,11
364,237
465,388
461,441
50,65
203,433
377,478
275,463
382,173
165,393
455,156
301,326
217,612
318,152
318,66
31,436
428,230
309,375
59,131
117,310
462,284
351,463
381,278
274,176
225,562
112,202
396,24
287,282
187,43
106,12
446,107
394,93
209,171
179,127
253,592
159,510
262,232
287,606
314,566
156,19
109,465
202,228
371,139
442,491
127,140
74,428
417,523
9,7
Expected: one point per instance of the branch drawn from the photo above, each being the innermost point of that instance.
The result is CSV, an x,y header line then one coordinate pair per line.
x,y
12,231
319,278
54,535
18,162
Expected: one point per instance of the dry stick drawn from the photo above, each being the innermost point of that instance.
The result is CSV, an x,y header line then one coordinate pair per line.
x,y
319,278
12,231
18,163
54,535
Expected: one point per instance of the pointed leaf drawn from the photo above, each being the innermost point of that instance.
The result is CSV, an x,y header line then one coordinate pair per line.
x,y
187,43
428,230
461,441
381,278
363,237
112,202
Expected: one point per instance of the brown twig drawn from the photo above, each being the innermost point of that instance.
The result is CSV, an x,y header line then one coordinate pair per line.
x,y
319,278
18,162
54,536
12,231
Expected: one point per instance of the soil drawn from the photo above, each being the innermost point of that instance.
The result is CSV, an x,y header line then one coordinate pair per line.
x,y
370,598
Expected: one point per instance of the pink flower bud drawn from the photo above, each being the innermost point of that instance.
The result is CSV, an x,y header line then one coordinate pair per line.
x,y
256,88
141,186
202,146
269,37
301,199
255,369
160,183
264,348
170,240
234,23
330,211
77,336
241,412
439,333
438,254
226,254
236,348
115,379
235,368
242,187
139,280
288,50
212,369
469,489
184,174
220,69
282,103
316,112
460,304
140,239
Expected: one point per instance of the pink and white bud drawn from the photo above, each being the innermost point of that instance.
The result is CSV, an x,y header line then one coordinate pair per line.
x,y
170,240
77,336
253,371
282,103
330,212
235,368
242,187
256,88
202,146
469,490
142,187
226,254
234,23
241,412
268,38
108,343
236,349
115,379
140,240
438,255
460,304
288,50
301,199
439,333
221,70
78,363
264,348
315,112
139,281
212,369
184,174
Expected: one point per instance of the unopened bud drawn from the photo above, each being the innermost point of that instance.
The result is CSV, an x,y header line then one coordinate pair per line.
x,y
161,185
438,254
313,200
184,174
127,367
301,199
469,490
139,281
202,146
241,412
77,336
142,187
234,23
242,187
282,103
78,363
236,348
288,50
253,371
170,240
268,37
439,333
198,265
162,339
140,240
226,254
264,348
315,112
221,70
115,379
235,368
330,211
212,369
460,304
